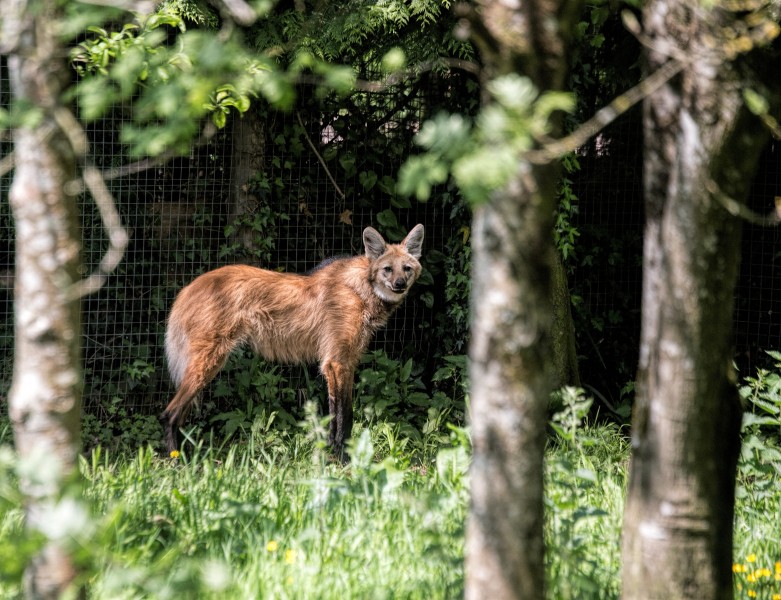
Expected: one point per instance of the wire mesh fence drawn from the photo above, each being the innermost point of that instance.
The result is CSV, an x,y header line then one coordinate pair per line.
x,y
286,190
277,190
758,298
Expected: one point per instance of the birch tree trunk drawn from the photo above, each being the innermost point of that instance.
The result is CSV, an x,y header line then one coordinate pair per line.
x,y
45,396
700,142
511,367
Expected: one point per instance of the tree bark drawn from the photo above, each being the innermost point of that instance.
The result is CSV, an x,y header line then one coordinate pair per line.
x,y
248,159
511,377
45,396
686,422
565,355
511,350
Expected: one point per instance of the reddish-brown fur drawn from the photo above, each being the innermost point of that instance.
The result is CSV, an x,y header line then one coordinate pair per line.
x,y
327,316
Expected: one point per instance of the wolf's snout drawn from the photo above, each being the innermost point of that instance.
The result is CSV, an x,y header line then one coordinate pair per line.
x,y
400,285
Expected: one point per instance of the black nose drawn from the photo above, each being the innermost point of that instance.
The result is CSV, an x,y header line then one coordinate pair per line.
x,y
400,284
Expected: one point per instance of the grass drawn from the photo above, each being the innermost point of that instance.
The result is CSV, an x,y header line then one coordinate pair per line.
x,y
269,516
266,521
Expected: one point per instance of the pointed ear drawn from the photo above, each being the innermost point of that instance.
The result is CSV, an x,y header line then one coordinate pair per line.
x,y
414,241
373,242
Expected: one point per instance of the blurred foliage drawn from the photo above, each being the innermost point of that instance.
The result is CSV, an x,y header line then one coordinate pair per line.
x,y
484,156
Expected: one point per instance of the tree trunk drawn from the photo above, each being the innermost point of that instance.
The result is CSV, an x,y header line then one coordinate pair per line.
x,y
511,367
686,422
565,355
511,377
45,396
248,159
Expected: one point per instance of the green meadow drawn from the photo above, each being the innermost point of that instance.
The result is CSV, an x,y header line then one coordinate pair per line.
x,y
268,514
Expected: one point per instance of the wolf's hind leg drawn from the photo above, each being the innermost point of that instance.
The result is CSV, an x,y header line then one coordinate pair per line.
x,y
339,378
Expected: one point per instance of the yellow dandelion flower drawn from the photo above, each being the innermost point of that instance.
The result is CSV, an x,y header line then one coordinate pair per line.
x,y
776,596
751,558
751,578
778,578
272,546
737,568
290,556
778,566
174,454
751,594
766,572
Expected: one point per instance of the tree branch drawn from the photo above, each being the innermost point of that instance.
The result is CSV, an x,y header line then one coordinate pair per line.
x,y
320,158
556,149
738,209
112,224
143,7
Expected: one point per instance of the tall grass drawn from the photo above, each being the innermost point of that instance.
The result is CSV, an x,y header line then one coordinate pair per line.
x,y
260,521
270,516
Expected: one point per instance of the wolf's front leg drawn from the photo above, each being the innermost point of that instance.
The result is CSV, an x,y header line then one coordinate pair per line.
x,y
340,405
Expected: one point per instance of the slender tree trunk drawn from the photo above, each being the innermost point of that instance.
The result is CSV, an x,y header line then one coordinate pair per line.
x,y
686,422
248,159
511,367
45,397
565,354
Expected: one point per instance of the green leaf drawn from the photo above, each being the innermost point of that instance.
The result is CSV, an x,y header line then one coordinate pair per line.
x,y
340,79
406,369
513,92
367,179
752,420
219,118
756,103
387,218
484,171
448,136
419,174
394,60
400,202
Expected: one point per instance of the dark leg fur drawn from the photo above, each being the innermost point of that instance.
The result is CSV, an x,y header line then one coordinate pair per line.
x,y
170,433
340,406
177,410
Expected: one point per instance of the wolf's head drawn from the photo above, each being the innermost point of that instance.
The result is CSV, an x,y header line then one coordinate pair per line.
x,y
393,268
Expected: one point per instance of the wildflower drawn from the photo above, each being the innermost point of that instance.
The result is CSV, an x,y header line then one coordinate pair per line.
x,y
751,558
776,596
272,546
737,568
174,454
751,594
290,556
778,566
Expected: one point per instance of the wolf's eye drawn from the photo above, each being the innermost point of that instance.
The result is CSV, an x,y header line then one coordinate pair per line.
x,y
388,269
407,268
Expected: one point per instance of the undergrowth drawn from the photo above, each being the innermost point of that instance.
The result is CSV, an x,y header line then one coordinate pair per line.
x,y
266,513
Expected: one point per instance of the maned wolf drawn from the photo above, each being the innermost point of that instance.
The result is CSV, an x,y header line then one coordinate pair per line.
x,y
328,315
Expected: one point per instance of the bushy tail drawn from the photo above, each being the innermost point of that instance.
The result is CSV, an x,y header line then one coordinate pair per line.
x,y
176,351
